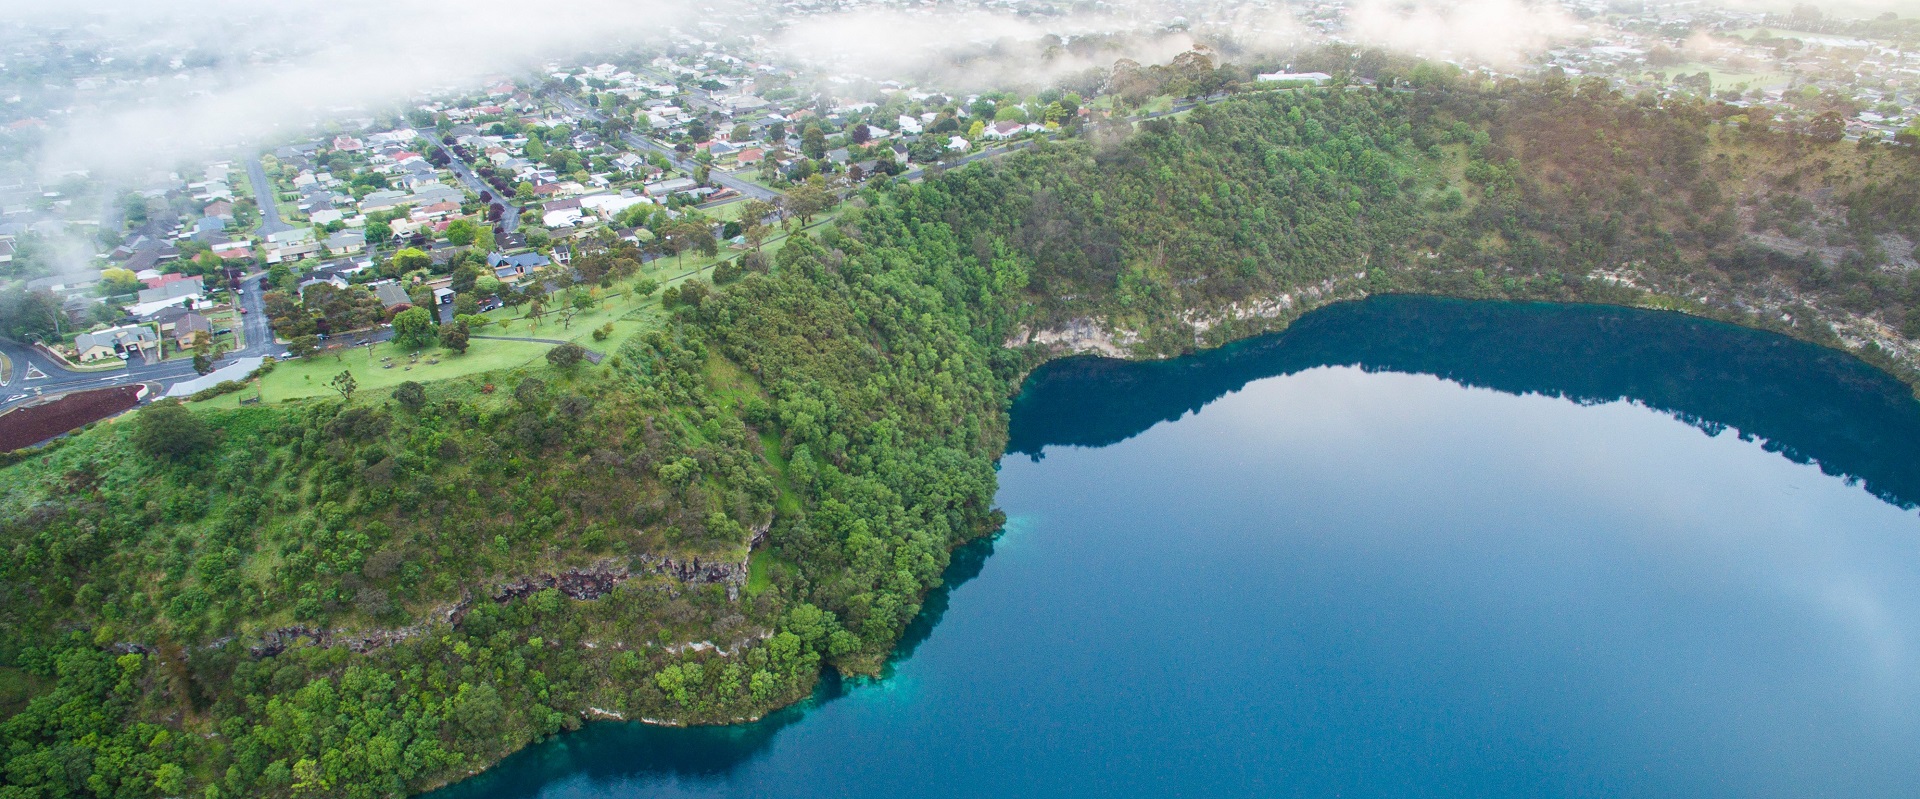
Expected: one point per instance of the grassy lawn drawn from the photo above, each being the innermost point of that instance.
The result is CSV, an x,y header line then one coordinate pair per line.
x,y
614,308
726,212
309,378
1724,78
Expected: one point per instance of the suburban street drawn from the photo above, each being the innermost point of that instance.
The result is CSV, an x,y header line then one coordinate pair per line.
x,y
510,219
263,193
49,377
36,374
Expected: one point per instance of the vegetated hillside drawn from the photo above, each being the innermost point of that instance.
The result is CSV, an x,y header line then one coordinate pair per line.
x,y
1244,214
372,595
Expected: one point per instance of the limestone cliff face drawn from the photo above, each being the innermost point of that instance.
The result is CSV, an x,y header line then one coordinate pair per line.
x,y
1080,336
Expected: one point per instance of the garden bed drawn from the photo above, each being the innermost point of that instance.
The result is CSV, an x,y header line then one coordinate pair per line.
x,y
32,424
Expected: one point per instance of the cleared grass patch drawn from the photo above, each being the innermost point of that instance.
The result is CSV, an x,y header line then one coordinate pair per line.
x,y
310,377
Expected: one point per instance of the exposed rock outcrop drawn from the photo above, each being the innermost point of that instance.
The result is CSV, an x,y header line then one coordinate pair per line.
x,y
1079,336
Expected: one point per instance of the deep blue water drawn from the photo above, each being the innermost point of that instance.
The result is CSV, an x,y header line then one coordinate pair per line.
x,y
1409,548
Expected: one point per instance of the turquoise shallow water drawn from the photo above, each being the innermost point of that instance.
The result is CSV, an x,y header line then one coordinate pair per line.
x,y
1408,548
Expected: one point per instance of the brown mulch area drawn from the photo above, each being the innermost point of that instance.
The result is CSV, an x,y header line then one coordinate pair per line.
x,y
25,427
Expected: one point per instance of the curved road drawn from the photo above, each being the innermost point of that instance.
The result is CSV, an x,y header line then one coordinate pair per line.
x,y
57,379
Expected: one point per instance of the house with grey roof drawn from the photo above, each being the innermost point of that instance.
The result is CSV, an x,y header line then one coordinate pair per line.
x,y
115,342
391,294
177,292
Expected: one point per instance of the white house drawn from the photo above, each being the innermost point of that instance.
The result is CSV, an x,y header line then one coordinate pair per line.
x,y
1315,78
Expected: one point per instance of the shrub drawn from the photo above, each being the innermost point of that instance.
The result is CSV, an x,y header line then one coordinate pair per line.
x,y
166,429
566,356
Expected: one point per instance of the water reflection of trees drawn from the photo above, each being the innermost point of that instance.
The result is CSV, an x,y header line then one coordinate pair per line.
x,y
1810,404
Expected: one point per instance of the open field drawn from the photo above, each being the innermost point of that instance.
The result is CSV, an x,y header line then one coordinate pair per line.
x,y
1725,78
310,377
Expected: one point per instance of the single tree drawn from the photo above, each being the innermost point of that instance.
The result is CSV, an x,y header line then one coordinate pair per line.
x,y
344,383
303,346
454,337
809,199
413,329
644,287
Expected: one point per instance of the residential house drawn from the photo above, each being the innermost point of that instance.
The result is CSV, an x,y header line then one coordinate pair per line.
x,y
333,279
561,213
181,325
383,200
667,188
64,284
514,267
391,295
155,280
115,342
1006,130
1315,78
166,295
347,242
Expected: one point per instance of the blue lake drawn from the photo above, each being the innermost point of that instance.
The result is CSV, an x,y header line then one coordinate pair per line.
x,y
1408,548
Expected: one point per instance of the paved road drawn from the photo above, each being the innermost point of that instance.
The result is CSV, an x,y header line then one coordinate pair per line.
x,y
256,330
270,221
57,379
688,165
510,218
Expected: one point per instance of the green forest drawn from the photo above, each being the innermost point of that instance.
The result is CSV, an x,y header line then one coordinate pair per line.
x,y
373,595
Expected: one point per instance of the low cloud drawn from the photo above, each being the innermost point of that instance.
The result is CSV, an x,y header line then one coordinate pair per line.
x,y
1501,32
264,68
973,50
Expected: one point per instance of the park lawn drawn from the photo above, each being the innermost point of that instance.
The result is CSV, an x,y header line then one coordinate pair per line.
x,y
1810,37
309,377
727,211
1724,78
611,309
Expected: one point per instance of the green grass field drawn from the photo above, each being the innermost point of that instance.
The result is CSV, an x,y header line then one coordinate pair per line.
x,y
1724,78
310,377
